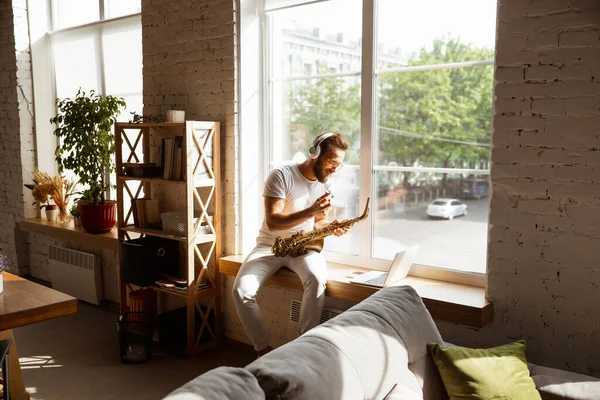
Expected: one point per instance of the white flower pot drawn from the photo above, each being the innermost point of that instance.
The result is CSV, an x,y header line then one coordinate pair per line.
x,y
1,283
52,215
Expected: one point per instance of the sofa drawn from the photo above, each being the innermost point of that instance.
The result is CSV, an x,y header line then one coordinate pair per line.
x,y
375,350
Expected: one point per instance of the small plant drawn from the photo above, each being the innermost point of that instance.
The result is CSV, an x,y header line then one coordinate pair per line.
x,y
75,210
84,127
57,188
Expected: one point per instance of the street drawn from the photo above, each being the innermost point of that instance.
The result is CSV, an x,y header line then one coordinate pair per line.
x,y
458,244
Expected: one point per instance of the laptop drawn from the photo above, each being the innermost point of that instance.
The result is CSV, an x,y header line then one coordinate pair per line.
x,y
399,269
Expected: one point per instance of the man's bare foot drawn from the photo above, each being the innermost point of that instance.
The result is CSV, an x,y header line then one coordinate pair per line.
x,y
260,353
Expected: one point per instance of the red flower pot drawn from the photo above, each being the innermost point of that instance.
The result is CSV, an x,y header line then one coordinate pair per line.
x,y
98,218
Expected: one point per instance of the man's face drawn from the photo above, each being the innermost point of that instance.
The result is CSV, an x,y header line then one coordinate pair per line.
x,y
328,163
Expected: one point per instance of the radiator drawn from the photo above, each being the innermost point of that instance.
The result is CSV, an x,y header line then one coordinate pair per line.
x,y
75,273
293,324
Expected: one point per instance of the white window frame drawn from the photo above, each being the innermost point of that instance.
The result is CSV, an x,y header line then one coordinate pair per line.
x,y
369,76
43,35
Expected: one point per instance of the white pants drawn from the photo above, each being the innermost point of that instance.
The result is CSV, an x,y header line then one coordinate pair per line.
x,y
258,267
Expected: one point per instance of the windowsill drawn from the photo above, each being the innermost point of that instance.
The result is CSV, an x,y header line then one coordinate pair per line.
x,y
461,304
69,233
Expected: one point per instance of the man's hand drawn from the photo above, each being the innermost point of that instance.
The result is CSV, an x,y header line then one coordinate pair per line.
x,y
339,231
321,207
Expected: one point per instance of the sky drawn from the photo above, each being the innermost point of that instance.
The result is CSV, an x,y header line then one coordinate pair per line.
x,y
406,24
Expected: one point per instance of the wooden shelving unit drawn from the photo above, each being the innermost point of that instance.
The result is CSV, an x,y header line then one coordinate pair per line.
x,y
139,143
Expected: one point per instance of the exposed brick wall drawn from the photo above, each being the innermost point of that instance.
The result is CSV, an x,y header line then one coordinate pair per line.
x,y
190,64
544,239
17,154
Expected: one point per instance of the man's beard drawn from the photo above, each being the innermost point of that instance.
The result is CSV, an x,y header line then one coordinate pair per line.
x,y
319,171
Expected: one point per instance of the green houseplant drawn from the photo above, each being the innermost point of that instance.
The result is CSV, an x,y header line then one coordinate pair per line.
x,y
87,146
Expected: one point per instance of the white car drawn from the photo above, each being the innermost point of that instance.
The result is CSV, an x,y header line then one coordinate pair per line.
x,y
446,208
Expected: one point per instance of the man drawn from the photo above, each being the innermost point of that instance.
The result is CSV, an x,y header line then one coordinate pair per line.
x,y
295,199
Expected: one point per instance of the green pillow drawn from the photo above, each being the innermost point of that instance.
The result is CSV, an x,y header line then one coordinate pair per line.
x,y
499,373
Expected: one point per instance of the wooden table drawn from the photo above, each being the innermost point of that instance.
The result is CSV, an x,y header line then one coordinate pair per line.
x,y
22,303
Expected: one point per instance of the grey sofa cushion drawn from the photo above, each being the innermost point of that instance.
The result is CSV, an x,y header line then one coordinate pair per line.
x,y
555,384
361,354
223,383
403,308
307,368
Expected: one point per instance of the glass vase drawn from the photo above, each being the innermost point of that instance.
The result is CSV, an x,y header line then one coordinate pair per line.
x,y
63,215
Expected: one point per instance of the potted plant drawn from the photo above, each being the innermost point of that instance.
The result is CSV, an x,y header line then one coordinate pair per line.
x,y
84,128
75,212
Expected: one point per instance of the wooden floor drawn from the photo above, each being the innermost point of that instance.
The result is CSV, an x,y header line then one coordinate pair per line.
x,y
77,357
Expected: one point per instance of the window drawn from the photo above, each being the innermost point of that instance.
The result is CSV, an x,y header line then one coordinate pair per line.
x,y
429,100
105,57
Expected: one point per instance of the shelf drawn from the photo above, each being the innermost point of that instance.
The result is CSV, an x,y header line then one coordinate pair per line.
x,y
197,182
153,179
153,232
199,189
167,290
162,234
208,292
152,125
69,233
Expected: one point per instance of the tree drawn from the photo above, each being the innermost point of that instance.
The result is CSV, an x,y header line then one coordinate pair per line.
x,y
326,104
437,118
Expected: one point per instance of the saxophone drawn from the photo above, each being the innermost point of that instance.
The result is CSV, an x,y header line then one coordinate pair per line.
x,y
299,243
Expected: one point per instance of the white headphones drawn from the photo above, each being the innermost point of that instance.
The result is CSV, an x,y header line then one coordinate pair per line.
x,y
315,149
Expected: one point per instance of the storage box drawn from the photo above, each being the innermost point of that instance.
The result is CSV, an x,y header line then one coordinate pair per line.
x,y
175,223
144,259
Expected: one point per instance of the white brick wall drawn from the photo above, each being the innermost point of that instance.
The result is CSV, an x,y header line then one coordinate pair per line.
x,y
190,63
544,235
17,154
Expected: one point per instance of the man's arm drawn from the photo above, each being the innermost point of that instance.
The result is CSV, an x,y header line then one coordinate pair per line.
x,y
277,220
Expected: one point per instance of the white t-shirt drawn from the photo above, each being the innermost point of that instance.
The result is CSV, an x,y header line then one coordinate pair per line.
x,y
287,182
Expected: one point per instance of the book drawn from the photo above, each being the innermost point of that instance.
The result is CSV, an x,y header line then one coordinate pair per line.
x,y
148,214
177,174
167,158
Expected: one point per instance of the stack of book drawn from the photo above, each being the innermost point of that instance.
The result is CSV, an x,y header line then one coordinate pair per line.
x,y
173,158
177,284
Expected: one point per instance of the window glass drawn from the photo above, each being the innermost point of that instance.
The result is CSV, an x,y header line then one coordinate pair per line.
x,y
118,8
123,60
74,72
433,136
406,28
70,13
